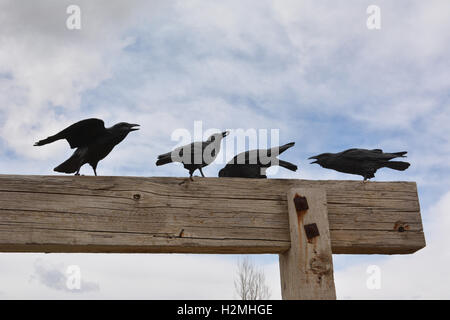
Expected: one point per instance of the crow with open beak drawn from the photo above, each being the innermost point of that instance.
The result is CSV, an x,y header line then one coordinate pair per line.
x,y
362,162
92,140
195,155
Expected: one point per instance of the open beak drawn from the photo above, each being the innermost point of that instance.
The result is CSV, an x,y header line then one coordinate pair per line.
x,y
132,127
315,157
225,133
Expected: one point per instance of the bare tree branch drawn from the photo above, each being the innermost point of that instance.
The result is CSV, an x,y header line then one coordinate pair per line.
x,y
251,282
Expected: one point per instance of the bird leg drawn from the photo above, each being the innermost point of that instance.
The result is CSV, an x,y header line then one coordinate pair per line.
x,y
201,172
94,167
187,180
78,172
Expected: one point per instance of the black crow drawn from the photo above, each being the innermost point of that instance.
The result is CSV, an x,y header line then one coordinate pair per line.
x,y
92,140
254,163
362,162
195,155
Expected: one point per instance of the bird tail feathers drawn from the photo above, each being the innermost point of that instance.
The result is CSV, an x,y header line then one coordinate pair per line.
x,y
47,141
283,148
287,165
164,155
397,165
164,160
71,165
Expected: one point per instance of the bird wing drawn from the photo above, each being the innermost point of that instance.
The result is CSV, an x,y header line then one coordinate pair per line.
x,y
374,154
192,151
83,132
262,157
209,149
246,157
359,154
199,148
185,152
79,134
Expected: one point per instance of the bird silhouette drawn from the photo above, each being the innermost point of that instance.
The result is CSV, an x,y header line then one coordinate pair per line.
x,y
254,163
93,142
361,162
195,155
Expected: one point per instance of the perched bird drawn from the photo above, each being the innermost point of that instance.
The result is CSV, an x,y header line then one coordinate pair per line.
x,y
195,155
92,140
362,162
254,163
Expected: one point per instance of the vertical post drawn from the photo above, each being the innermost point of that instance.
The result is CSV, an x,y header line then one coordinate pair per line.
x,y
307,267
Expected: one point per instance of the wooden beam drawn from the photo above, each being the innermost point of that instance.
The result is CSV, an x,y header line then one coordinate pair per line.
x,y
209,215
306,269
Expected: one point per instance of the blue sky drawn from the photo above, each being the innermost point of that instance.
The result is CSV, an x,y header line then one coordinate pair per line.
x,y
311,69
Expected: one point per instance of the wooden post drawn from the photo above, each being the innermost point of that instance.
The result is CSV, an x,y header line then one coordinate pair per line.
x,y
307,267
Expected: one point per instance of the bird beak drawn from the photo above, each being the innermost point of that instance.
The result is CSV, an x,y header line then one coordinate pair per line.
x,y
132,127
315,157
225,133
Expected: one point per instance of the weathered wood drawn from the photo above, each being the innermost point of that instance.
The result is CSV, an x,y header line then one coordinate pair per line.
x,y
306,269
209,215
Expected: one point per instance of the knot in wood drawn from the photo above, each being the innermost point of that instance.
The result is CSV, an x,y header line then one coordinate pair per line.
x,y
401,226
136,196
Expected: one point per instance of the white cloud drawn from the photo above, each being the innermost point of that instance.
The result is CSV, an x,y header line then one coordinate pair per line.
x,y
219,63
49,66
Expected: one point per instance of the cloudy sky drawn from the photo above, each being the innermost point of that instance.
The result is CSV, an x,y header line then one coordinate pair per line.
x,y
311,69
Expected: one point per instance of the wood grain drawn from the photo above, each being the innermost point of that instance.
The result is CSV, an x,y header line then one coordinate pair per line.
x,y
209,215
306,269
